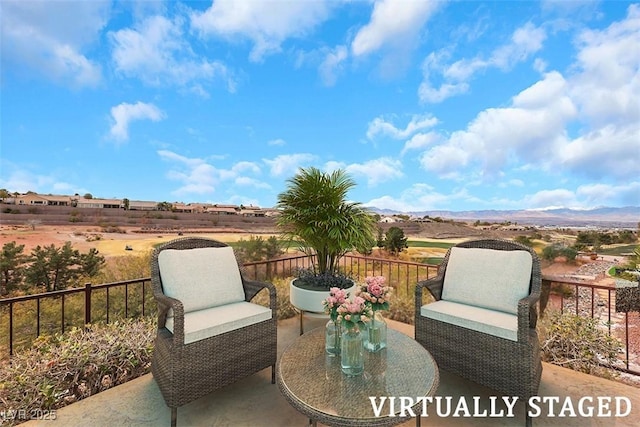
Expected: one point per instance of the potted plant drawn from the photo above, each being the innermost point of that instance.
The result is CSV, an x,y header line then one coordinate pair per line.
x,y
315,212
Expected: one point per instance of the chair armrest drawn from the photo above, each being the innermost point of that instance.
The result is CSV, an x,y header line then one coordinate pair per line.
x,y
527,315
164,304
433,285
252,287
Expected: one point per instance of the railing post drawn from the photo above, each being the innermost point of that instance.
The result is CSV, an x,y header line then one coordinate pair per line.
x,y
10,329
544,296
87,304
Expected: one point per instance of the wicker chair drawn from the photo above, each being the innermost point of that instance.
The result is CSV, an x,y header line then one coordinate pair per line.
x,y
209,333
494,341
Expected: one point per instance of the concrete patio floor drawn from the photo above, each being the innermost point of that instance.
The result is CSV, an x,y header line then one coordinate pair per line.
x,y
254,401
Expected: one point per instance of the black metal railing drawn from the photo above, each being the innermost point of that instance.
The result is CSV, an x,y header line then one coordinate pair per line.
x,y
22,319
402,275
594,301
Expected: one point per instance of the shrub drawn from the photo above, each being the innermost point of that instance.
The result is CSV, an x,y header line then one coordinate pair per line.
x,y
401,309
552,251
578,343
61,369
285,309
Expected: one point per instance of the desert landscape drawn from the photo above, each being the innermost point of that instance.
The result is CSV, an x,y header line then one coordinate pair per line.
x,y
138,240
110,244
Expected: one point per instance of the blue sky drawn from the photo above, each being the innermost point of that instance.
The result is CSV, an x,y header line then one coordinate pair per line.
x,y
427,105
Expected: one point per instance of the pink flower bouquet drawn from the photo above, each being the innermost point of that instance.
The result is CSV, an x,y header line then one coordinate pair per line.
x,y
376,293
336,298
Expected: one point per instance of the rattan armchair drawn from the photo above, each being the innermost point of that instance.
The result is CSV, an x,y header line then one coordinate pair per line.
x,y
209,333
498,282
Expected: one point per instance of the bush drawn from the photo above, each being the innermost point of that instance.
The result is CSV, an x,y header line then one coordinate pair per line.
x,y
552,251
285,309
578,343
401,309
61,369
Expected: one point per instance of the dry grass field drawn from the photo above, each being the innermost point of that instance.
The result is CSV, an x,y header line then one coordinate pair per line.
x,y
109,244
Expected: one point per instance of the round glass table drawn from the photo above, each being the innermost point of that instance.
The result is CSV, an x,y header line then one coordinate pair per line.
x,y
312,382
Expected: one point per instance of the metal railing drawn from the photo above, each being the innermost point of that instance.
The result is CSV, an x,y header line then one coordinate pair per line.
x,y
33,315
594,301
402,275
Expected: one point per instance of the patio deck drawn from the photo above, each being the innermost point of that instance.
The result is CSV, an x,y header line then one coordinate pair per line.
x,y
254,401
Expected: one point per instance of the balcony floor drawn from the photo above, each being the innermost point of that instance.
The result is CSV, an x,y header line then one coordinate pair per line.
x,y
254,401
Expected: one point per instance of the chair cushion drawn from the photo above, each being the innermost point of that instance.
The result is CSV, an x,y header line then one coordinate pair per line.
x,y
478,319
209,322
201,278
487,278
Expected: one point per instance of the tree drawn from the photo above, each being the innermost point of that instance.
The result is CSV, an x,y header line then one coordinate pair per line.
x,y
55,268
91,262
12,259
314,210
88,196
125,204
380,238
525,240
395,241
164,206
4,193
272,248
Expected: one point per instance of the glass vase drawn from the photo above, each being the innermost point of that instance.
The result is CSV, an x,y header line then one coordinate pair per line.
x,y
375,334
332,336
352,352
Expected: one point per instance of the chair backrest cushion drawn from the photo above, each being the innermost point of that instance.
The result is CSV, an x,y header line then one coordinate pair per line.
x,y
487,278
202,277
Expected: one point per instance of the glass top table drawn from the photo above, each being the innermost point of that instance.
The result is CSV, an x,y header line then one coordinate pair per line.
x,y
312,382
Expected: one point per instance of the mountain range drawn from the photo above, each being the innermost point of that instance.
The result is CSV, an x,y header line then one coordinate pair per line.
x,y
624,217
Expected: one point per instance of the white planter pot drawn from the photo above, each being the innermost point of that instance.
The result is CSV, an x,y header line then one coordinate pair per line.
x,y
311,301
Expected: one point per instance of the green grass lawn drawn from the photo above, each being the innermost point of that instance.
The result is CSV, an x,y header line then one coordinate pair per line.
x,y
618,250
422,244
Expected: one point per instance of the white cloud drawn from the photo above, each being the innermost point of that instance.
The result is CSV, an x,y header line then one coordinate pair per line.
x,y
123,114
551,198
244,166
21,179
377,171
421,140
49,38
267,24
525,41
417,123
332,65
421,197
277,142
626,194
532,133
611,151
197,176
245,181
288,164
394,23
531,130
156,52
607,82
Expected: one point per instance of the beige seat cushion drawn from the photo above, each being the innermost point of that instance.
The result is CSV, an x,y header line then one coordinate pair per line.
x,y
213,321
496,323
201,278
487,278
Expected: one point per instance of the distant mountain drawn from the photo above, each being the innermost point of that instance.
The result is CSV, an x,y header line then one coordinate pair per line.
x,y
626,217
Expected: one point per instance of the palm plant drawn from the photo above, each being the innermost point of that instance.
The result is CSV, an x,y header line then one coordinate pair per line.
x,y
315,212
